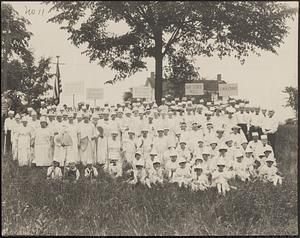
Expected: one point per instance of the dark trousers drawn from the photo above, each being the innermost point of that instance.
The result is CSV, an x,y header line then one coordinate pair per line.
x,y
255,129
8,141
244,129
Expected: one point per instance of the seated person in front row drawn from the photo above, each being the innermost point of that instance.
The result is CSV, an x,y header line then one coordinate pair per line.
x,y
90,171
54,172
72,173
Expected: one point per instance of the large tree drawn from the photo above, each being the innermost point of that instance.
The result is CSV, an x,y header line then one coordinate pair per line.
x,y
292,99
26,79
162,29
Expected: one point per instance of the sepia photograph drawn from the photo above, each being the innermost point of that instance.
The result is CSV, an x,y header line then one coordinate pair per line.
x,y
149,118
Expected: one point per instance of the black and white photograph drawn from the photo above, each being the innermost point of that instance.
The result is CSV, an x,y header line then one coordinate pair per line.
x,y
149,118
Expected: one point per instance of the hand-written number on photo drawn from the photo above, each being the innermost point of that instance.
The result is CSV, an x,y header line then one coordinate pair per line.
x,y
29,11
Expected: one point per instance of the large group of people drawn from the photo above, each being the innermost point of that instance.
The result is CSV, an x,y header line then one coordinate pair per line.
x,y
197,145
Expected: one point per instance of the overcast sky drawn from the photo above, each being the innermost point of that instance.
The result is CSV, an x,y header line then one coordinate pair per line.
x,y
260,79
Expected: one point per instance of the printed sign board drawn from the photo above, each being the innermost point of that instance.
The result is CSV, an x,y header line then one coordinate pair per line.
x,y
73,88
194,89
228,89
94,93
141,92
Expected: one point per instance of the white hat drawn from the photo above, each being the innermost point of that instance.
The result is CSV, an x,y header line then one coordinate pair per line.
x,y
114,131
235,127
131,131
244,141
23,119
271,159
223,147
95,116
182,160
263,137
156,160
139,163
220,162
43,119
153,152
173,153
206,151
182,141
138,152
198,166
17,116
220,129
11,112
239,154
254,133
249,150
33,113
268,148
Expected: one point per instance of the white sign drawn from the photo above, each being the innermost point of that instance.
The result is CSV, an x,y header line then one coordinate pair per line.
x,y
228,89
141,92
73,88
194,89
94,93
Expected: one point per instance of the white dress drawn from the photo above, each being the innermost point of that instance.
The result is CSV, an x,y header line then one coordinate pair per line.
x,y
87,130
72,151
42,147
24,137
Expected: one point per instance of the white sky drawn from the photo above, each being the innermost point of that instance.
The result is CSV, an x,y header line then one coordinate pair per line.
x,y
260,79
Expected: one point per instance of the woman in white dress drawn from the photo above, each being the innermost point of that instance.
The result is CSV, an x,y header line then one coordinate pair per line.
x,y
72,150
24,139
42,141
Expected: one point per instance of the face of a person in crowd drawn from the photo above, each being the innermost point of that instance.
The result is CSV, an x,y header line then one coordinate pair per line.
x,y
59,118
248,154
205,157
152,157
43,124
166,132
137,156
219,134
183,126
135,113
144,134
182,165
182,146
244,145
160,133
213,145
173,158
141,116
267,153
198,171
271,113
200,144
229,143
222,152
264,111
131,135
235,130
242,109
65,117
256,164
257,110
119,115
105,116
71,120
72,166
114,136
79,119
55,164
128,115
255,138
230,115
198,161
24,123
86,120
156,166
113,116
264,141
194,126
239,159
221,168
269,164
218,112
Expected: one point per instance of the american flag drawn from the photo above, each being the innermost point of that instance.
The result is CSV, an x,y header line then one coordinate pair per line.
x,y
57,85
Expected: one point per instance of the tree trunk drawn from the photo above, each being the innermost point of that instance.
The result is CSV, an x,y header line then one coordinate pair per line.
x,y
158,67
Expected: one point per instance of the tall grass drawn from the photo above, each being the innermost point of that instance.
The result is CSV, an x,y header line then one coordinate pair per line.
x,y
32,206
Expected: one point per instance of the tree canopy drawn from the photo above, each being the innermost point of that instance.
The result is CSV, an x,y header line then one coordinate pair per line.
x,y
26,79
292,99
163,29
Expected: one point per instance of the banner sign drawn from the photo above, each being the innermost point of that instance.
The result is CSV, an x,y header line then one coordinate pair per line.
x,y
141,92
73,88
94,93
194,89
228,89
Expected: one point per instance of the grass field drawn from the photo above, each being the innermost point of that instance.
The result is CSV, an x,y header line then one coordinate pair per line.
x,y
31,206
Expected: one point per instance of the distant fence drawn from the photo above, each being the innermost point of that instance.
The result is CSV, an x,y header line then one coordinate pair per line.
x,y
286,150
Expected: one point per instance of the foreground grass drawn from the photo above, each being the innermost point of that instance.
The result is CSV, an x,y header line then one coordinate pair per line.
x,y
31,206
